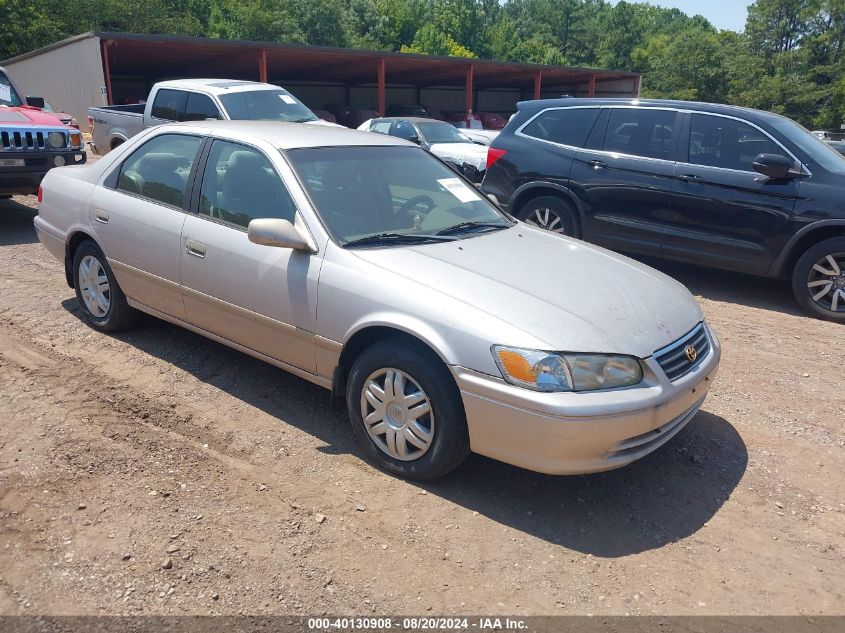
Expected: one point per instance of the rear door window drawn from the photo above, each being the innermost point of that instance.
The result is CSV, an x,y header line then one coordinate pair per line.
x,y
160,168
566,126
641,132
727,143
170,105
200,107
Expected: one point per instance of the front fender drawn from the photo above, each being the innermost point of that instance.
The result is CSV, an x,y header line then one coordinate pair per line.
x,y
410,325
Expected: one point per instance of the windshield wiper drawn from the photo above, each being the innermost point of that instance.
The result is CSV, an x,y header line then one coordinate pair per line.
x,y
396,238
464,227
304,120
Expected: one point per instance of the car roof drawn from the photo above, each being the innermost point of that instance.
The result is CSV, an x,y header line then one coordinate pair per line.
x,y
697,106
216,86
293,135
412,119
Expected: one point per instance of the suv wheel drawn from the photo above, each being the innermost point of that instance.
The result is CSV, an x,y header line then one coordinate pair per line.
x,y
551,214
101,299
818,280
406,411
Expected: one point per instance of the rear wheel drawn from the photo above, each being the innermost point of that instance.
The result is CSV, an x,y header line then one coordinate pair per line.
x,y
101,299
818,280
551,214
406,411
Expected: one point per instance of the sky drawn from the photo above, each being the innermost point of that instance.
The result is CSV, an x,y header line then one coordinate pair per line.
x,y
723,14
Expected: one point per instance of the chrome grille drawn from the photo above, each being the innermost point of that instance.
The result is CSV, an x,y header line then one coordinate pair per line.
x,y
23,139
674,359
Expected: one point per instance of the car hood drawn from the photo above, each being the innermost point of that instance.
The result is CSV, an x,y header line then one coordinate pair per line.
x,y
472,153
24,115
570,295
323,122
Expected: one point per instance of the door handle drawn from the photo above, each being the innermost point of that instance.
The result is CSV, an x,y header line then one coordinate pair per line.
x,y
690,178
197,249
597,164
101,216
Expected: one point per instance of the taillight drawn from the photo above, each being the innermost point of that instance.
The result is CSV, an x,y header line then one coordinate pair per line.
x,y
90,124
494,154
40,195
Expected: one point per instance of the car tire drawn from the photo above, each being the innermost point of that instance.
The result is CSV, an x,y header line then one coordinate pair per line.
x,y
551,213
818,280
398,423
103,303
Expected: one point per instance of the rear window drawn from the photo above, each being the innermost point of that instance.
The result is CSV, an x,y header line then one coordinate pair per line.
x,y
566,126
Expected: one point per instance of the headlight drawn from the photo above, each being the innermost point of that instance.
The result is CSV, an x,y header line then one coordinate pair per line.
x,y
56,140
549,371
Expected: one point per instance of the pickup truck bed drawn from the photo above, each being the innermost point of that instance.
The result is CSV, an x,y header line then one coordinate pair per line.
x,y
112,125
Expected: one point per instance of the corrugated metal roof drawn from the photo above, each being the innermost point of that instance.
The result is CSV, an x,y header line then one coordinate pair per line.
x,y
146,54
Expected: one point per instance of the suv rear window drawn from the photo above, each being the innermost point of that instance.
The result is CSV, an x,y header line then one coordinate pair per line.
x,y
640,132
566,126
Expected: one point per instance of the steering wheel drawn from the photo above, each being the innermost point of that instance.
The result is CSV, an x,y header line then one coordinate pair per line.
x,y
414,202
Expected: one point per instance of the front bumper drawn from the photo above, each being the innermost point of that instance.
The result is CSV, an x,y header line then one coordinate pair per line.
x,y
577,433
24,179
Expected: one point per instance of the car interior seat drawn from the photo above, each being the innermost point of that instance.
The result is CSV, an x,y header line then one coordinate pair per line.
x,y
160,178
248,190
353,205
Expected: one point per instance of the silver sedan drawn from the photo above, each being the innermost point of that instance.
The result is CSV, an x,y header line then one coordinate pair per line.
x,y
361,263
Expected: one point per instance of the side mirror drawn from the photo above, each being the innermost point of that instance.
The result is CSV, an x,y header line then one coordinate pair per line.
x,y
279,233
774,166
415,139
35,102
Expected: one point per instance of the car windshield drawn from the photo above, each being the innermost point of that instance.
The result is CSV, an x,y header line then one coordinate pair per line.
x,y
437,132
266,105
812,145
8,96
394,194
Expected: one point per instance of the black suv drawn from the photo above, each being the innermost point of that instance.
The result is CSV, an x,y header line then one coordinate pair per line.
x,y
717,185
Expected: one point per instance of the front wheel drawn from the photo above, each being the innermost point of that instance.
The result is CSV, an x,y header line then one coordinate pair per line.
x,y
101,299
406,411
551,214
818,280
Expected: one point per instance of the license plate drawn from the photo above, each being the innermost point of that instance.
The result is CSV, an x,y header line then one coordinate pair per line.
x,y
12,162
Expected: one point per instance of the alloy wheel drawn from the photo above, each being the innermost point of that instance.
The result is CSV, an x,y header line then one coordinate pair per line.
x,y
546,219
94,286
397,414
826,282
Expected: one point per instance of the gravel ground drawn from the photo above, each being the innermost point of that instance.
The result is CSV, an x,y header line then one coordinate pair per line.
x,y
156,472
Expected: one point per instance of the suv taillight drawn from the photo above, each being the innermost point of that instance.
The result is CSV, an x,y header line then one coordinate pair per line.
x,y
494,154
90,124
40,195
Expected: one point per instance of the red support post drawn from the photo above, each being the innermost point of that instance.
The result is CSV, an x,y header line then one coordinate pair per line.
x,y
591,90
262,66
538,83
468,100
382,99
104,48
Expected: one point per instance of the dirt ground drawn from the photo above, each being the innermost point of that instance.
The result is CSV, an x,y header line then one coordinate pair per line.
x,y
156,472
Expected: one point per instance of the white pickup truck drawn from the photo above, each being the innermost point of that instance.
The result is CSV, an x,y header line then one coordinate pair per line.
x,y
195,100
